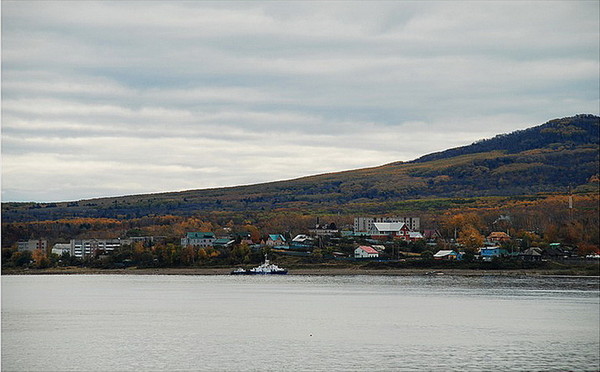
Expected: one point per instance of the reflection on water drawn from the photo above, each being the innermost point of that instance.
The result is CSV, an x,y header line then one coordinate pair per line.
x,y
319,323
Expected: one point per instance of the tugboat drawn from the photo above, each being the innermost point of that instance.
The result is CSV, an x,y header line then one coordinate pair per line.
x,y
265,268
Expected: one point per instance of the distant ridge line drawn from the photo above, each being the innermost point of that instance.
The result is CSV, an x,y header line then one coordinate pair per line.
x,y
513,142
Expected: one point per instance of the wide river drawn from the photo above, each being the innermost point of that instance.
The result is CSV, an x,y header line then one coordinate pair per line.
x,y
299,323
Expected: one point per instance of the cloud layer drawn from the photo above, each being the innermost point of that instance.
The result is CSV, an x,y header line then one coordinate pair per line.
x,y
114,98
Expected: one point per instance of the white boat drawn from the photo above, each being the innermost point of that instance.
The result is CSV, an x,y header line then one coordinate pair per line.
x,y
265,268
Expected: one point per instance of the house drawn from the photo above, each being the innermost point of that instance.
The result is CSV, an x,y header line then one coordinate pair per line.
x,y
555,251
324,230
447,255
383,230
531,254
379,248
413,236
489,253
32,245
198,239
365,252
301,241
431,235
275,240
243,238
498,237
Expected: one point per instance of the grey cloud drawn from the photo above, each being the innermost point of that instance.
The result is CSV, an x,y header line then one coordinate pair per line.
x,y
209,94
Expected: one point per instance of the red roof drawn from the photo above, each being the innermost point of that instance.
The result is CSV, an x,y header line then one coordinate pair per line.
x,y
368,249
499,235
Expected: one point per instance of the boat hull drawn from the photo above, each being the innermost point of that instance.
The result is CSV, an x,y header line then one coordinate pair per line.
x,y
284,272
266,268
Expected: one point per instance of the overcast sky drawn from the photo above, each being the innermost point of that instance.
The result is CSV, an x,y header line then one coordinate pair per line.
x,y
119,98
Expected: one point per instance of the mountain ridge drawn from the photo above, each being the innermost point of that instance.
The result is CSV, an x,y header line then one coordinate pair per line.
x,y
556,130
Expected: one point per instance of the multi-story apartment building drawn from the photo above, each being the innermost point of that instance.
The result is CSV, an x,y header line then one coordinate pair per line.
x,y
365,224
32,245
84,247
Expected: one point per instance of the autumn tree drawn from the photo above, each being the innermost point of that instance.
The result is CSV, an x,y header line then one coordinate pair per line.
x,y
40,260
528,239
470,238
7,254
21,258
583,249
240,254
254,233
138,250
142,255
573,232
167,255
551,233
461,221
188,255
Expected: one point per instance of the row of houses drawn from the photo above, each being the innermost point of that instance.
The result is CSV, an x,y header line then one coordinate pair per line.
x,y
209,240
553,251
405,228
375,228
483,253
381,228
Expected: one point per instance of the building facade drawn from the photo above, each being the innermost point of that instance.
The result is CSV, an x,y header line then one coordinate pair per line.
x,y
198,239
365,252
275,240
82,248
32,244
498,237
489,253
395,230
60,248
365,224
447,255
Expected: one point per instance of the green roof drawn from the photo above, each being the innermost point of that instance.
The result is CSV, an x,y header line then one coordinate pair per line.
x,y
200,235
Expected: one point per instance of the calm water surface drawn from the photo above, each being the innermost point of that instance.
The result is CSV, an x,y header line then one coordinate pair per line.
x,y
316,323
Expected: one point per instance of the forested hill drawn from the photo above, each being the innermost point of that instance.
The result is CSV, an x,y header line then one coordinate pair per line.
x,y
571,131
552,157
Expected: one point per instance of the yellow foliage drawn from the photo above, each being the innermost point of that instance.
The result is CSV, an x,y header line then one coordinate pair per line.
x,y
470,238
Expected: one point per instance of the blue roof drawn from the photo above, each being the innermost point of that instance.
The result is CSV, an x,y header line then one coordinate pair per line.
x,y
276,237
491,251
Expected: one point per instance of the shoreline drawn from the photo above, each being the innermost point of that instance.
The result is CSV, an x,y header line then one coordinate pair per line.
x,y
312,271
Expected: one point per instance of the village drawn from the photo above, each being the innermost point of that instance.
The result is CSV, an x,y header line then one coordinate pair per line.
x,y
377,239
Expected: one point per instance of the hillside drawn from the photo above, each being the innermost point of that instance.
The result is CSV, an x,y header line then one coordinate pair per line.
x,y
572,131
551,157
